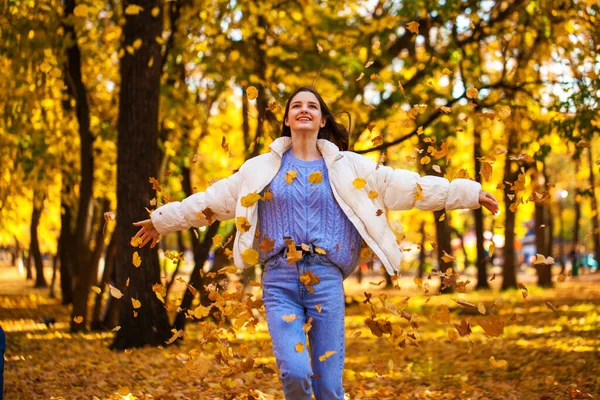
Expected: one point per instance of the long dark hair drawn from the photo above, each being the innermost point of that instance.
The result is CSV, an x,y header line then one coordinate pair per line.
x,y
333,131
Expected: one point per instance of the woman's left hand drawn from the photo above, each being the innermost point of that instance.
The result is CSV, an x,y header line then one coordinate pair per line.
x,y
489,202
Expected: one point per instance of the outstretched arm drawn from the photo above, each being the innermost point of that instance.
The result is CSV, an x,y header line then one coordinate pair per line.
x,y
217,202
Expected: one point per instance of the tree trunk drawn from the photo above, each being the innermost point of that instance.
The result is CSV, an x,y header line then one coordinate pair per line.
x,y
595,223
577,206
482,277
28,268
65,243
81,253
509,273
55,264
34,249
543,232
421,270
443,244
136,163
16,254
109,256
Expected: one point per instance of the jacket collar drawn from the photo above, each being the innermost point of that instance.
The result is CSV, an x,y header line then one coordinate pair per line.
x,y
329,150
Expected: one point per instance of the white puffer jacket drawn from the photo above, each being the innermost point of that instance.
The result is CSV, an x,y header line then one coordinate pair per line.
x,y
396,190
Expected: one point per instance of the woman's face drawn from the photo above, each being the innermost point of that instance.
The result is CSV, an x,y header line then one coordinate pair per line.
x,y
304,114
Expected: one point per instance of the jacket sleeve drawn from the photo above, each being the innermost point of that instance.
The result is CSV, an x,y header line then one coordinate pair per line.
x,y
217,202
402,190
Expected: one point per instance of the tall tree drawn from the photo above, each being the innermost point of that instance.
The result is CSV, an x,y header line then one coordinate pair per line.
x,y
136,163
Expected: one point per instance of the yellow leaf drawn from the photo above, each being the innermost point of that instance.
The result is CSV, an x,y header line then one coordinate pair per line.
x,y
486,170
290,318
150,64
359,183
267,195
425,160
200,312
81,10
315,177
326,355
217,239
96,289
155,12
137,43
116,328
319,250
499,363
418,281
133,9
362,75
250,199
452,335
319,48
481,308
78,319
137,260
290,176
136,303
114,292
419,193
373,194
472,93
319,308
442,217
252,92
504,112
299,347
413,26
446,71
242,224
250,256
124,391
136,241
109,216
491,250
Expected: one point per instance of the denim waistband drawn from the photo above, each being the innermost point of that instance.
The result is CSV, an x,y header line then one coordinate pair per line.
x,y
278,260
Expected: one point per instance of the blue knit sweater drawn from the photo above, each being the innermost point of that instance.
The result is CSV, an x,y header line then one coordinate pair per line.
x,y
308,213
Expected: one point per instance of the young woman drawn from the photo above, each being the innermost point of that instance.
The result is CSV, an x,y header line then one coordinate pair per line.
x,y
305,208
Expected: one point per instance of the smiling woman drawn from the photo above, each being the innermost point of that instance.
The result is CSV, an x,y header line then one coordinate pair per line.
x,y
307,212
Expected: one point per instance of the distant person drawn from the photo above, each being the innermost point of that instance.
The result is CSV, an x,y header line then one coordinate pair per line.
x,y
318,202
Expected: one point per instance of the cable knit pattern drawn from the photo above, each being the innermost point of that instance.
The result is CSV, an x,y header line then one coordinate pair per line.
x,y
308,213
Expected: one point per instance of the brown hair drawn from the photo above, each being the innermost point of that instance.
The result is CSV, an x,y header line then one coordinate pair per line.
x,y
333,131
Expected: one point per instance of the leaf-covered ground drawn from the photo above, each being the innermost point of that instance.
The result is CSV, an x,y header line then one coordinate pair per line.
x,y
540,353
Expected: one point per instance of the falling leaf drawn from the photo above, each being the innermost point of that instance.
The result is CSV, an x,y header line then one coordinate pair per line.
x,y
425,160
250,199
437,169
137,43
200,312
78,319
401,89
319,250
368,64
136,303
550,306
486,170
413,26
493,277
452,335
541,259
137,260
252,92
561,278
136,241
155,184
309,279
315,177
447,258
109,216
81,10
267,195
465,304
319,308
308,325
359,183
418,281
217,239
290,318
493,326
96,289
504,112
133,9
319,48
176,334
472,93
250,256
481,308
299,347
290,176
114,292
491,250
373,194
266,245
442,217
242,224
464,328
155,11
116,328
362,74
419,193
499,363
224,144
446,109
124,391
326,355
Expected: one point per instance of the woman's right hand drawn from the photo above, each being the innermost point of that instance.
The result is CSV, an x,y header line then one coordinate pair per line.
x,y
147,232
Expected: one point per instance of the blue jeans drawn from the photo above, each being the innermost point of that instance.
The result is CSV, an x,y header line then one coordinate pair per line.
x,y
2,350
283,295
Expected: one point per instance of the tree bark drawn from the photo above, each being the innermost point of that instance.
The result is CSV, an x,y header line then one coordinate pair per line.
x,y
543,233
482,277
65,243
509,273
595,223
97,323
136,163
34,249
421,270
